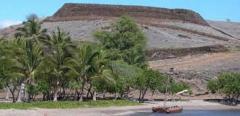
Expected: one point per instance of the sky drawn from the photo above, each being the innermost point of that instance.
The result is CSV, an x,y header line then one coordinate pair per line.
x,y
15,11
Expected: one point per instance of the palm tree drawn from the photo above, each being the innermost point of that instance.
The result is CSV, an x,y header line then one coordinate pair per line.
x,y
30,49
29,57
81,64
102,71
9,70
32,29
59,45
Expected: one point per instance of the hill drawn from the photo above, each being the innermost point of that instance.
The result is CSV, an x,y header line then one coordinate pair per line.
x,y
179,38
170,32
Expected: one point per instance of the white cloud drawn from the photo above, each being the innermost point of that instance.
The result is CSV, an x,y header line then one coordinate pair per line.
x,y
7,23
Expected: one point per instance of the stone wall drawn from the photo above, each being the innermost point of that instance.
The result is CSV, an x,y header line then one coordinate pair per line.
x,y
71,11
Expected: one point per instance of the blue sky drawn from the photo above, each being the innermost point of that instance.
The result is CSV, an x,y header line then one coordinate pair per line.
x,y
15,11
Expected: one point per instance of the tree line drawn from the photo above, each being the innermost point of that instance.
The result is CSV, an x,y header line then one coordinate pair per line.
x,y
38,63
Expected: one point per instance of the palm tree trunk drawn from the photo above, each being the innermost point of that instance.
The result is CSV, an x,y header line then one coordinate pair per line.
x,y
116,95
128,91
27,96
55,96
89,90
140,94
55,92
94,96
7,93
43,96
82,90
21,92
76,94
63,93
104,94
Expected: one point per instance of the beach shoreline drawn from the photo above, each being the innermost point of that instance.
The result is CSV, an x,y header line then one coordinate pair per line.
x,y
145,107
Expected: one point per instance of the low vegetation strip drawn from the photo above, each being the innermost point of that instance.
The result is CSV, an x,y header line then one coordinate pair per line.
x,y
158,54
68,104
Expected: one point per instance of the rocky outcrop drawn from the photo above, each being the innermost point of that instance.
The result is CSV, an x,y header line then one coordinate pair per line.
x,y
72,11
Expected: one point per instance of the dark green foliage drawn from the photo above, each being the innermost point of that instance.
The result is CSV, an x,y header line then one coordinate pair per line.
x,y
32,90
176,87
212,86
11,70
227,84
148,80
124,41
172,87
32,29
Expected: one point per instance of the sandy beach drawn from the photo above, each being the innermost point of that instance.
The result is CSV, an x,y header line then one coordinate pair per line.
x,y
116,111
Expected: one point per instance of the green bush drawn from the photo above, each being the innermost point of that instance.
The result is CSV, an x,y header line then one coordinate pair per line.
x,y
228,84
125,41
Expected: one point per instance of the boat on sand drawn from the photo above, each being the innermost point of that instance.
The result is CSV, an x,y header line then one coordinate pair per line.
x,y
172,109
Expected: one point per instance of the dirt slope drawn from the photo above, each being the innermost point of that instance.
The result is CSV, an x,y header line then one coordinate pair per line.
x,y
198,69
200,62
231,28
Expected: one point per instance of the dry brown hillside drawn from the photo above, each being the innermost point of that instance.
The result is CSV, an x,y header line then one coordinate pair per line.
x,y
170,32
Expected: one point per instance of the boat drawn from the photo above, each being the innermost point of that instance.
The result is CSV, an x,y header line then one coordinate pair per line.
x,y
172,109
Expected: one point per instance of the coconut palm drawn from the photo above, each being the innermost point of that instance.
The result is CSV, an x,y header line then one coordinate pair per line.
x,y
9,70
59,49
32,29
10,77
102,71
81,64
29,57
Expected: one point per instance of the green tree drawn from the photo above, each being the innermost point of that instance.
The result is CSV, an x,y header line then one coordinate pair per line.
x,y
125,41
29,57
148,80
102,71
81,64
32,29
227,83
60,48
10,77
124,75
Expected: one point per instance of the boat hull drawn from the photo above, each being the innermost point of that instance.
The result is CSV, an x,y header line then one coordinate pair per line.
x,y
173,109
